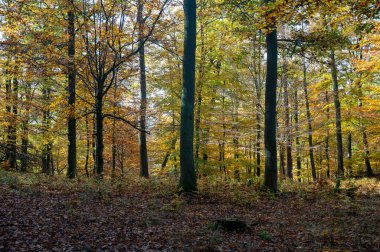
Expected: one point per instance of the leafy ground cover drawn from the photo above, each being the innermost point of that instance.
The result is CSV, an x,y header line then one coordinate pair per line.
x,y
39,213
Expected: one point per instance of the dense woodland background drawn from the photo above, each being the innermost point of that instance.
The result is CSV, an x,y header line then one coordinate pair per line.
x,y
109,75
209,125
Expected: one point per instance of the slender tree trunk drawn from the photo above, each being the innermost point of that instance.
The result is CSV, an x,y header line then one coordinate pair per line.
x,y
296,113
94,144
282,160
188,177
113,154
47,148
71,123
338,118
25,130
222,145
310,129
87,147
270,179
12,129
200,90
349,154
172,143
289,160
327,137
235,130
369,171
99,162
144,172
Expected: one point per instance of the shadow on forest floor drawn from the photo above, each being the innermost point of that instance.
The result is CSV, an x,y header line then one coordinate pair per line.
x,y
39,213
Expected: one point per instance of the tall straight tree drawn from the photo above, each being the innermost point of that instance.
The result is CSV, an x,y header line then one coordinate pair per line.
x,y
71,123
338,117
144,172
188,179
309,125
270,179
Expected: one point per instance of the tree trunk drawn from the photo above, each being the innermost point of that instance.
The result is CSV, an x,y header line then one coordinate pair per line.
x,y
296,113
71,123
188,177
87,148
270,179
94,144
349,154
172,143
338,118
327,137
310,129
47,148
257,83
235,133
99,162
199,93
289,160
25,130
369,171
144,172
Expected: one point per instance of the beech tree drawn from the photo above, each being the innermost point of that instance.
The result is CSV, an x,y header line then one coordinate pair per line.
x,y
188,177
270,179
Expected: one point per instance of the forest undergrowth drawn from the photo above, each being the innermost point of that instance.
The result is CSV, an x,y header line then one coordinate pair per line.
x,y
46,213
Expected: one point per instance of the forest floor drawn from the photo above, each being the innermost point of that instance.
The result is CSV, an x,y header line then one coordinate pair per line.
x,y
40,213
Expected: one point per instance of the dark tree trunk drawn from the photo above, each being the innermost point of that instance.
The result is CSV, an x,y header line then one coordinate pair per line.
x,y
144,172
289,160
94,145
113,154
310,129
25,130
349,154
12,128
47,148
270,179
71,123
99,159
87,148
338,119
369,171
188,178
282,160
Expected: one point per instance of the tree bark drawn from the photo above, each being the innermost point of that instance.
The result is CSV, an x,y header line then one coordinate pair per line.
x,y
327,137
25,130
144,172
200,90
309,125
99,162
270,179
338,117
188,177
87,148
349,154
47,148
289,160
296,113
367,161
71,123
